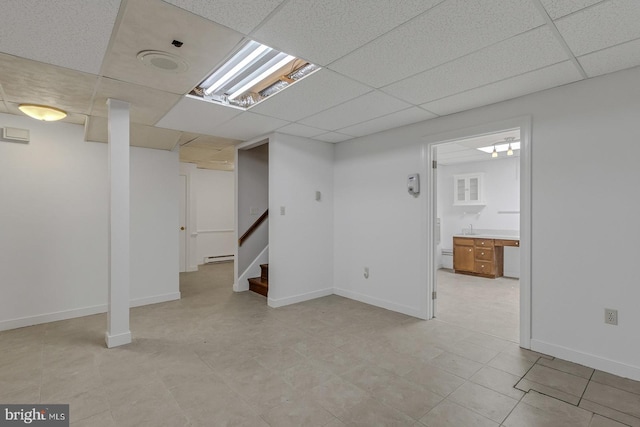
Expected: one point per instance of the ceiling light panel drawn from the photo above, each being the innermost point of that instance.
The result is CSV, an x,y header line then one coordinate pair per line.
x,y
253,73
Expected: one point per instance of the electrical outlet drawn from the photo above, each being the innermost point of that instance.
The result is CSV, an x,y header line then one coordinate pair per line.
x,y
610,316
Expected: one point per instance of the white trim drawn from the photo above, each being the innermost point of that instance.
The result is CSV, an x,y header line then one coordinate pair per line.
x,y
215,231
172,296
409,311
22,322
586,359
275,303
242,284
429,206
117,340
188,170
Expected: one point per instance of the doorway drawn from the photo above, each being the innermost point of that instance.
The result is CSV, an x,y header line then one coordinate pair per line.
x,y
183,221
462,210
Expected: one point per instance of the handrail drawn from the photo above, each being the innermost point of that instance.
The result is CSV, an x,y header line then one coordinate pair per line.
x,y
253,227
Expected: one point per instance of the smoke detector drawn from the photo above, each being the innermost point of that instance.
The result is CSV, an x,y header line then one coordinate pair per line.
x,y
163,61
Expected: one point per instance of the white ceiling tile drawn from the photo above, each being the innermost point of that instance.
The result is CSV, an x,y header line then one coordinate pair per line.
x,y
147,105
532,50
366,107
612,59
153,137
317,92
27,81
390,121
559,8
448,31
333,137
601,26
301,130
95,129
248,125
140,135
205,141
241,15
323,31
72,34
197,116
153,25
514,87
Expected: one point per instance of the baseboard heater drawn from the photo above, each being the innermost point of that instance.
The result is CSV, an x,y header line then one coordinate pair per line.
x,y
218,258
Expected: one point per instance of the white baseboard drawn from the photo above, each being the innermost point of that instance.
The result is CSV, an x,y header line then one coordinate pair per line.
x,y
117,340
242,284
590,360
80,312
409,311
156,299
281,302
192,268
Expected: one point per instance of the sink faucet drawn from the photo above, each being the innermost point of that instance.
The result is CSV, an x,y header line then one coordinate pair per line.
x,y
470,228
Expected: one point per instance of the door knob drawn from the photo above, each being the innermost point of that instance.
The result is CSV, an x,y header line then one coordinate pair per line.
x,y
181,228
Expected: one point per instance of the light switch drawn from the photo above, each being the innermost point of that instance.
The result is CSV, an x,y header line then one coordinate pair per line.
x,y
282,210
318,196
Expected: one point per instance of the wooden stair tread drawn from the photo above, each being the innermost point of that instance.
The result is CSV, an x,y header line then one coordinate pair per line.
x,y
258,285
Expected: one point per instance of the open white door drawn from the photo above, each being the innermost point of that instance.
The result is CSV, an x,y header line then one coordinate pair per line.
x,y
183,222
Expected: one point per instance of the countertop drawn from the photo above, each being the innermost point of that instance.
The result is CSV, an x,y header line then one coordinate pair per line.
x,y
487,236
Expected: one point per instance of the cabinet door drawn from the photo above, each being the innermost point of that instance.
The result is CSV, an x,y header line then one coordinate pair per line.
x,y
463,259
460,190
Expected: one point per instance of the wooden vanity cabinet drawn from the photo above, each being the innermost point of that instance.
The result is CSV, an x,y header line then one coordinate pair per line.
x,y
463,255
478,257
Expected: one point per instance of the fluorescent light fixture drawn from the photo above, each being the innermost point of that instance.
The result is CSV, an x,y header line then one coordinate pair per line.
x,y
42,112
251,74
284,61
244,62
500,147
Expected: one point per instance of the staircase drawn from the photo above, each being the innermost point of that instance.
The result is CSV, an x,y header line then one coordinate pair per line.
x,y
260,284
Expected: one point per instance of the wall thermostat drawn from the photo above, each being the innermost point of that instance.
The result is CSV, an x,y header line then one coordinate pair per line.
x,y
413,184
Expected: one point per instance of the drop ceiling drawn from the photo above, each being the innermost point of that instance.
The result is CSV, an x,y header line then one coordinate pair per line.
x,y
384,65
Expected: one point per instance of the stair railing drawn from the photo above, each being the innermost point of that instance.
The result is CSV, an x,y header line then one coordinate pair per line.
x,y
253,227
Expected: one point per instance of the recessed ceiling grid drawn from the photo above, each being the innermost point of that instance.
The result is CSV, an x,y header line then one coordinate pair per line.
x,y
384,66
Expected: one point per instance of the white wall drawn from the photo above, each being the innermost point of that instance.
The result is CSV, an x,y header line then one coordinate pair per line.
x,y
301,241
584,179
215,213
253,199
54,225
501,193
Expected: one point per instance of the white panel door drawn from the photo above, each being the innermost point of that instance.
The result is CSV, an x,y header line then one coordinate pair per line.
x,y
183,222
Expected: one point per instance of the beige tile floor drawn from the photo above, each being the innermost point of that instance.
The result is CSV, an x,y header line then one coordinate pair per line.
x,y
491,306
217,358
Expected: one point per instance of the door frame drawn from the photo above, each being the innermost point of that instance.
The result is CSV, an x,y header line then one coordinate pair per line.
x,y
184,211
430,204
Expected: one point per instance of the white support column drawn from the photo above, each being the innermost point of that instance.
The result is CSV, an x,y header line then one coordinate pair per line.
x,y
118,332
